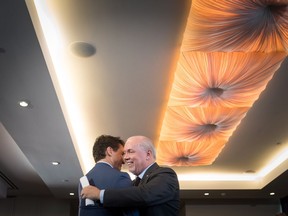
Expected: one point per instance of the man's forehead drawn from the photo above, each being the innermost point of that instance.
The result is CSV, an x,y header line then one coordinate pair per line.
x,y
130,146
126,148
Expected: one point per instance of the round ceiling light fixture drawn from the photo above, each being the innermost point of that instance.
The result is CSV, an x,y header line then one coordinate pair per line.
x,y
82,49
25,103
250,171
55,163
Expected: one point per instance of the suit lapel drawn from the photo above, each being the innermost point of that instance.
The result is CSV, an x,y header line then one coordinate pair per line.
x,y
148,172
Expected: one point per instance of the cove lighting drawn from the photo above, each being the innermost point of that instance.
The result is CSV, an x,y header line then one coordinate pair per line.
x,y
54,43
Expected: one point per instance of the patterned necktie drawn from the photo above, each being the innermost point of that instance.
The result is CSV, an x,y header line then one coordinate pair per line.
x,y
137,181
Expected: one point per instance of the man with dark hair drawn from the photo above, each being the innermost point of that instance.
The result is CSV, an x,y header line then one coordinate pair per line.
x,y
115,144
108,155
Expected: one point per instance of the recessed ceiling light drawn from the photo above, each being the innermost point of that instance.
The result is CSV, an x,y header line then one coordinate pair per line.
x,y
55,163
71,194
206,194
24,103
272,194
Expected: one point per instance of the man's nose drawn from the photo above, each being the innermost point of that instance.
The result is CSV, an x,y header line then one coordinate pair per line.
x,y
125,156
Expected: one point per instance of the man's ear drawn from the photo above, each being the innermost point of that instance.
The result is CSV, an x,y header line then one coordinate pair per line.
x,y
149,154
109,151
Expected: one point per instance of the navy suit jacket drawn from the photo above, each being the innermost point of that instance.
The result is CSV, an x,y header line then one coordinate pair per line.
x,y
104,176
156,195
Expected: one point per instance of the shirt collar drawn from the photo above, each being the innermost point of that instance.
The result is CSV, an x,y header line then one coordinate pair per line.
x,y
141,175
105,163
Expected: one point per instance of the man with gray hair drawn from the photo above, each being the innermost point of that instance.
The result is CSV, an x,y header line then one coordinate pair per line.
x,y
158,191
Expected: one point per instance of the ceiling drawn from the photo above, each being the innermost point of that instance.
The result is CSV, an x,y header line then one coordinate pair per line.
x,y
120,90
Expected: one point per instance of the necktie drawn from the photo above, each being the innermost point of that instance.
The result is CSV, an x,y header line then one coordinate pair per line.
x,y
137,181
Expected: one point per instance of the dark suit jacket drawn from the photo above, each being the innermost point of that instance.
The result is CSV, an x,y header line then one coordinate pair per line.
x,y
104,176
156,195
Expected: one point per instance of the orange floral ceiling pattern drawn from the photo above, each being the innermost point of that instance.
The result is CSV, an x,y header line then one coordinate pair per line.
x,y
230,51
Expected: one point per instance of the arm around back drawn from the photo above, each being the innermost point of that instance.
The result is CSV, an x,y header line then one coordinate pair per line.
x,y
158,186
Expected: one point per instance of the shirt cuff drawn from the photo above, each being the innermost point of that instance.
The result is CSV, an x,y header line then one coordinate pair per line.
x,y
102,196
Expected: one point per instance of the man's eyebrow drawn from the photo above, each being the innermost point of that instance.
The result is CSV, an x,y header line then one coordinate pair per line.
x,y
129,150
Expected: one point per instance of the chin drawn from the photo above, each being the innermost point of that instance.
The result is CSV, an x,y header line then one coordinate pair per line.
x,y
131,170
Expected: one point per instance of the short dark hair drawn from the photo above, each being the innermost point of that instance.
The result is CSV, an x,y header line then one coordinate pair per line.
x,y
102,143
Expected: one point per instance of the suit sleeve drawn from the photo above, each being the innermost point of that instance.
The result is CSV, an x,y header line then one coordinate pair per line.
x,y
160,187
123,181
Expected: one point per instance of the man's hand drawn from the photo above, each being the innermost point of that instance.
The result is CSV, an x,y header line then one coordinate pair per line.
x,y
90,192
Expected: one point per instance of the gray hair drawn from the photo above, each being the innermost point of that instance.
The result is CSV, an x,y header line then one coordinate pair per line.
x,y
145,143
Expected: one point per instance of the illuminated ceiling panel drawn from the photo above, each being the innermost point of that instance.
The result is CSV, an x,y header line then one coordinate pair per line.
x,y
230,52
